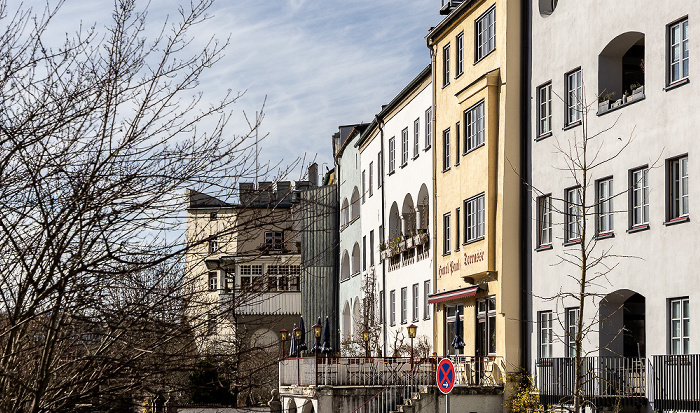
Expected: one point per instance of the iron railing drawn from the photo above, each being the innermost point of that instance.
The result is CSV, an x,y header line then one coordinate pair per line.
x,y
675,382
486,371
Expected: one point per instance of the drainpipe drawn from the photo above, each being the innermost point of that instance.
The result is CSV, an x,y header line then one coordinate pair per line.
x,y
433,132
525,192
381,149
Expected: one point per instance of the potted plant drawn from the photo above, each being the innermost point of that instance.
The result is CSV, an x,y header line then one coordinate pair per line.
x,y
409,242
605,102
417,239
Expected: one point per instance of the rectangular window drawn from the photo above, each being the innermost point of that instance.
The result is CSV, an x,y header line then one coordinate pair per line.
x,y
213,281
546,334
416,131
639,197
392,154
486,326
446,65
474,222
364,253
364,186
573,214
371,170
604,203
213,216
450,318
428,127
457,229
446,233
392,307
678,188
474,127
457,135
381,306
485,34
426,304
404,147
680,326
380,170
571,326
213,245
544,109
274,240
459,67
678,59
404,303
211,324
415,302
544,221
371,247
446,149
574,97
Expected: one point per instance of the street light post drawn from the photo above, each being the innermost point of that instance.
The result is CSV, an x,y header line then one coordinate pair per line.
x,y
365,338
297,339
317,334
412,334
284,336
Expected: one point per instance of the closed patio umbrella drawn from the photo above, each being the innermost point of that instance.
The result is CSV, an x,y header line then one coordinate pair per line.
x,y
326,346
293,344
458,343
301,345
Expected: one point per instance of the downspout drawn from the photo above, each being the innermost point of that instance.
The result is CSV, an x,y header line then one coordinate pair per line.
x,y
433,132
381,176
525,192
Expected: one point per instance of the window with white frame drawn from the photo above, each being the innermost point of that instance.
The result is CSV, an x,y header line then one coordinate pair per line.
x,y
680,326
446,149
392,307
416,131
459,58
446,233
426,303
571,328
574,216
546,338
415,302
446,65
639,197
450,319
392,154
404,305
404,147
474,127
251,276
474,213
604,203
678,188
486,326
380,170
213,245
544,109
274,240
371,170
485,34
678,59
544,221
428,127
364,186
213,281
574,97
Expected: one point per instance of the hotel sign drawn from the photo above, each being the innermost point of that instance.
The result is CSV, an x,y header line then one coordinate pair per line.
x,y
468,260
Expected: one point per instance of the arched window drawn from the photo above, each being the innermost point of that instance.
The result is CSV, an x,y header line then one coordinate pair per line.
x,y
621,70
355,204
356,259
345,266
547,7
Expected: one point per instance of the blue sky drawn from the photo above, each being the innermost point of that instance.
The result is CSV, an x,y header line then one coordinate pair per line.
x,y
321,64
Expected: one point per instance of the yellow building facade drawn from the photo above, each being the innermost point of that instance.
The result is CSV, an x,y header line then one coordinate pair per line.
x,y
476,57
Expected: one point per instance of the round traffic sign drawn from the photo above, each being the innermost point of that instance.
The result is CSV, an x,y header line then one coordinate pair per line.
x,y
445,376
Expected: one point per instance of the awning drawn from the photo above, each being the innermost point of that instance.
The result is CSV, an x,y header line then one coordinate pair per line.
x,y
453,295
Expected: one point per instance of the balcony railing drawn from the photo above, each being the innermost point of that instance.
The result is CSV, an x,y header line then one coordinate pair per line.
x,y
479,371
675,382
606,381
263,303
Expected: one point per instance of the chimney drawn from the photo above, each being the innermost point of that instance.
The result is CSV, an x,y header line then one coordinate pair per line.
x,y
284,192
246,193
265,193
449,5
313,175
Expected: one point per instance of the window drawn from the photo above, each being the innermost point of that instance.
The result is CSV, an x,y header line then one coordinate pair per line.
x,y
459,67
605,206
678,51
544,109
381,306
213,245
404,147
211,324
426,304
450,318
274,240
457,229
486,326
446,65
457,144
415,302
371,247
544,221
546,334
485,34
446,149
212,216
571,326
446,233
678,188
392,307
251,277
371,169
428,127
380,170
474,218
392,153
474,127
364,253
404,302
573,214
574,97
639,197
213,281
680,326
364,186
416,131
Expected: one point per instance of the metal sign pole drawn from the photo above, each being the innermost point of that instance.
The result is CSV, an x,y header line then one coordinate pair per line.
x,y
447,403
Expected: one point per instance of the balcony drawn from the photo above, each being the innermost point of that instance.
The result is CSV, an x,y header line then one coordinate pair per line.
x,y
247,302
675,382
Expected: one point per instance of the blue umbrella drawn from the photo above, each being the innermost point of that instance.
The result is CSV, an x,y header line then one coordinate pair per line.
x,y
293,344
326,346
301,344
458,343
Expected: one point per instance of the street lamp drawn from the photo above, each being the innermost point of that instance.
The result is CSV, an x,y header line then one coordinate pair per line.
x,y
365,338
412,334
284,336
317,334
